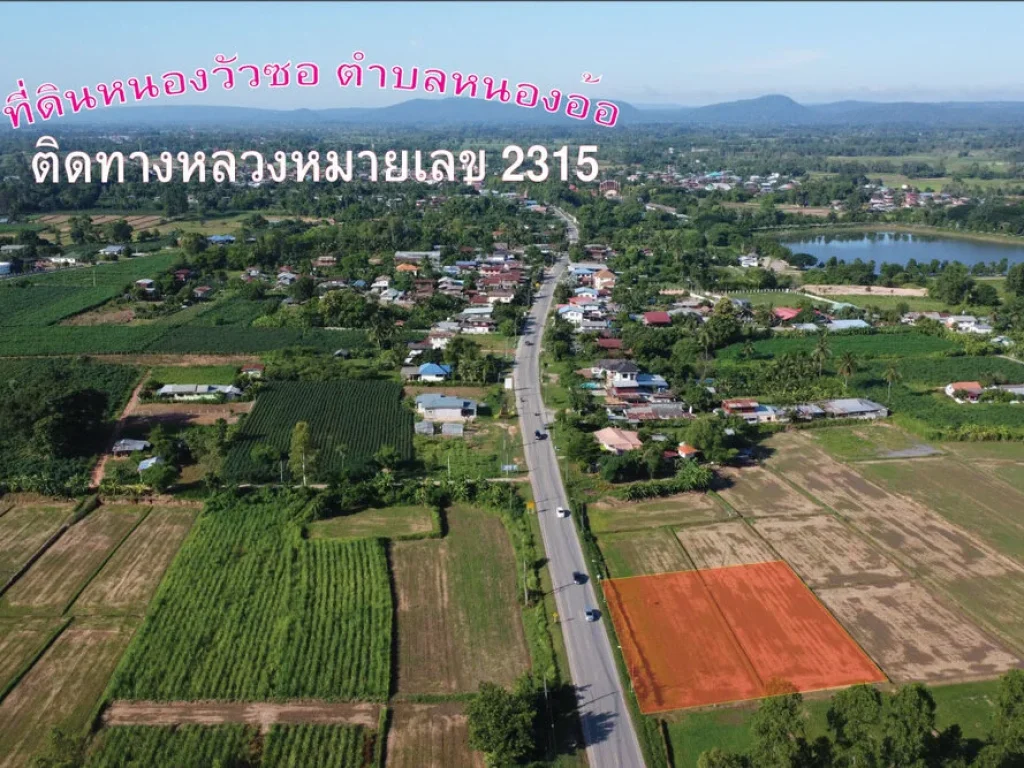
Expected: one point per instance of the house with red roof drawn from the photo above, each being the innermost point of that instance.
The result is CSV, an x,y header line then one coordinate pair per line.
x,y
657,319
785,314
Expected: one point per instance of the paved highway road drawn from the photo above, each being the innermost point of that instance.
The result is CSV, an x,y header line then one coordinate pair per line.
x,y
608,732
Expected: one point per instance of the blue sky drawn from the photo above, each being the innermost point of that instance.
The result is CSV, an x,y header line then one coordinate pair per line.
x,y
664,52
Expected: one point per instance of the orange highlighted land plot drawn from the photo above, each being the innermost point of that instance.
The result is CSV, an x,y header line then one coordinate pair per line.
x,y
696,638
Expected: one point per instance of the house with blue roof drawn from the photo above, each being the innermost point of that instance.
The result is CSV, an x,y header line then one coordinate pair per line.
x,y
434,372
220,239
437,407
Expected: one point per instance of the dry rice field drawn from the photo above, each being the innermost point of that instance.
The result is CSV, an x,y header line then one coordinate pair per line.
x,y
826,552
912,636
685,508
756,492
458,620
62,688
186,413
259,713
724,544
639,553
20,639
430,736
60,221
55,577
131,576
23,530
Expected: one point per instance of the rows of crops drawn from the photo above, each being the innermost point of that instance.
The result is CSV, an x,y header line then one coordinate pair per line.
x,y
325,746
250,611
185,339
285,746
226,745
234,312
349,421
46,299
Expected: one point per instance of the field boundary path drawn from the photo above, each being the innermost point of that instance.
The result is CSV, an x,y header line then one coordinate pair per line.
x,y
608,731
263,714
133,401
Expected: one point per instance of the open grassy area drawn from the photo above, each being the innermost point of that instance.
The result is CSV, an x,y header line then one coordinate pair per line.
x,y
870,441
386,523
614,515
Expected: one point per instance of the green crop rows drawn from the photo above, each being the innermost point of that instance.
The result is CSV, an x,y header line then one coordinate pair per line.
x,y
285,746
46,299
251,611
349,421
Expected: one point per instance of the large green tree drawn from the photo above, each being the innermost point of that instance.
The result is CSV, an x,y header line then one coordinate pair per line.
x,y
501,725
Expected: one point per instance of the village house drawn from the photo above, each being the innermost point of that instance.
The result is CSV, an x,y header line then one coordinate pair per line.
x,y
407,268
187,392
202,291
112,250
125,447
604,280
968,391
325,262
437,407
434,372
617,441
854,408
657,319
751,411
254,370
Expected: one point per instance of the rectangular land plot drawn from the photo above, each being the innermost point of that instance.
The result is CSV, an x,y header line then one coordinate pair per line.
x,y
430,736
131,576
61,689
459,622
825,552
20,640
727,634
388,523
693,507
56,576
963,494
640,553
915,637
722,544
23,530
801,461
756,492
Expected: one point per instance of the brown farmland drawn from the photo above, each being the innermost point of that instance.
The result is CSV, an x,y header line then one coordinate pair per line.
x,y
458,621
825,552
915,637
261,713
62,688
756,492
56,576
723,544
131,576
430,736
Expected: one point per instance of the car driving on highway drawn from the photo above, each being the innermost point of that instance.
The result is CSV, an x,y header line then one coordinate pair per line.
x,y
593,614
562,512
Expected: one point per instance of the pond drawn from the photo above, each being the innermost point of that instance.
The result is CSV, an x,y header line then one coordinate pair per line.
x,y
899,248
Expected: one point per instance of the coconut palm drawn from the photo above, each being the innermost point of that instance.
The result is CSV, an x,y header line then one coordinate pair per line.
x,y
822,351
847,367
892,374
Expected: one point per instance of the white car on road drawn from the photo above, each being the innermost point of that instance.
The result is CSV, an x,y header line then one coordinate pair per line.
x,y
562,512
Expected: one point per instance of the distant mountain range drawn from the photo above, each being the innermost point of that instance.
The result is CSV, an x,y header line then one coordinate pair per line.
x,y
765,111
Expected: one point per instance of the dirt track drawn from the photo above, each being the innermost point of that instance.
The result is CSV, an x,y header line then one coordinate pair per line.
x,y
262,714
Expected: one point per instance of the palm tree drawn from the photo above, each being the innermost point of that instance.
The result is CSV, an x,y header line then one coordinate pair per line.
x,y
892,374
847,367
821,351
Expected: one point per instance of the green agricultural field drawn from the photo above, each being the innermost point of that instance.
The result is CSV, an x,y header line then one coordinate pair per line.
x,y
233,311
172,747
38,300
386,523
194,374
971,705
349,421
870,441
249,611
285,746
